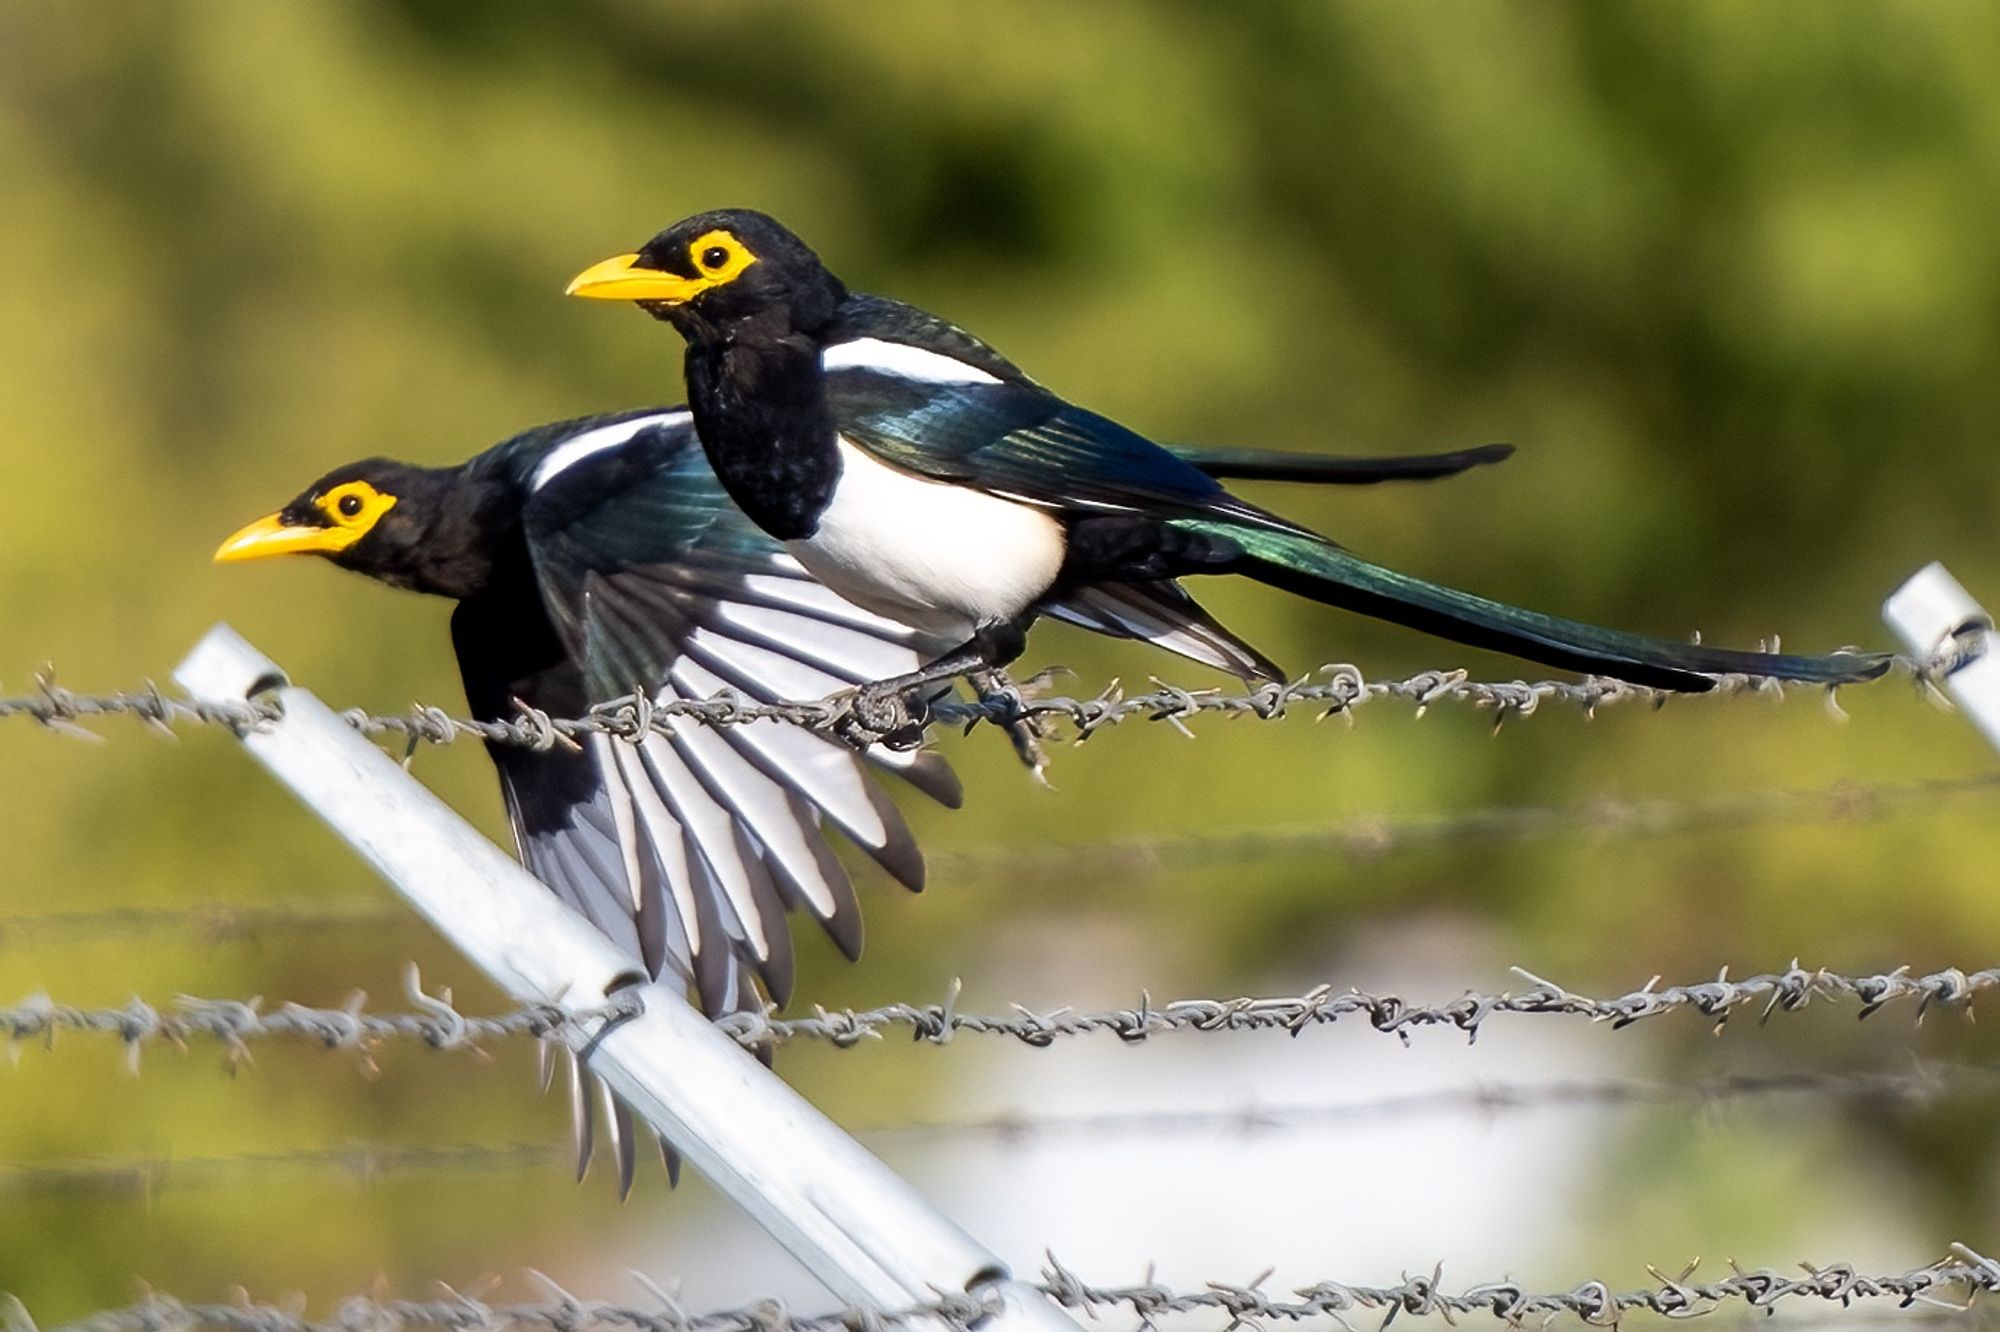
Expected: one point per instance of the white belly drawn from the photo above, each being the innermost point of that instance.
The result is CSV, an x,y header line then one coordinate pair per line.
x,y
938,557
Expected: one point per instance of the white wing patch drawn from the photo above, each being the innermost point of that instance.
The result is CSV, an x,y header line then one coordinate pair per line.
x,y
573,451
903,361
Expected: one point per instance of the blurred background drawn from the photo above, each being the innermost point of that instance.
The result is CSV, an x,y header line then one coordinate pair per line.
x,y
1724,273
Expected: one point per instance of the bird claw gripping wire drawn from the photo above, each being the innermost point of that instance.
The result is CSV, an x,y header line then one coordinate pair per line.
x,y
1006,704
874,715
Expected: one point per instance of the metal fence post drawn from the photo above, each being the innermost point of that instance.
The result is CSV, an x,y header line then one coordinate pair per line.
x,y
1931,611
859,1227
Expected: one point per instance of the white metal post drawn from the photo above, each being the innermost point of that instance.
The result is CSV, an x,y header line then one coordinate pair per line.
x,y
1932,610
859,1227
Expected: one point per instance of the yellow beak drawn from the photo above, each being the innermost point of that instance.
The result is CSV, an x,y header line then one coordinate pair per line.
x,y
270,536
620,279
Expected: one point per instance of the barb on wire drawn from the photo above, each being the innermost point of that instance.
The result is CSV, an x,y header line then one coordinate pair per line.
x,y
1920,1084
439,1026
1335,689
235,1023
64,710
1944,1285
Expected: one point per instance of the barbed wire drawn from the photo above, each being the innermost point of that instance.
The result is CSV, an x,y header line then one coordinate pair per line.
x,y
235,1023
1365,837
1333,689
1789,991
1596,1302
439,1026
1921,1084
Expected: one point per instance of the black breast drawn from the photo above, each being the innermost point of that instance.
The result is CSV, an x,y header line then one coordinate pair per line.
x,y
760,408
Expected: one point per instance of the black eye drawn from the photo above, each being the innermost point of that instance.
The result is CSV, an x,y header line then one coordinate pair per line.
x,y
350,505
714,257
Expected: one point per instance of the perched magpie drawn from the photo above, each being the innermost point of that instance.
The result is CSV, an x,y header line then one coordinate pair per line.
x,y
596,557
919,473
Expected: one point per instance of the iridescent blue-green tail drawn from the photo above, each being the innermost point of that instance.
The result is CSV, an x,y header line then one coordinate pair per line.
x,y
1337,469
1314,568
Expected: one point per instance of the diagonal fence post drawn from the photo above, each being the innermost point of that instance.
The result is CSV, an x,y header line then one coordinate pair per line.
x,y
1932,612
854,1223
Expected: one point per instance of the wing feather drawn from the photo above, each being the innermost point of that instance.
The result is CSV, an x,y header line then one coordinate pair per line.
x,y
1166,616
822,773
1012,438
667,840
733,865
689,847
785,830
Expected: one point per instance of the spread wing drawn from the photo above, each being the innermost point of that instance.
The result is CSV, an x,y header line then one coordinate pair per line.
x,y
562,809
695,843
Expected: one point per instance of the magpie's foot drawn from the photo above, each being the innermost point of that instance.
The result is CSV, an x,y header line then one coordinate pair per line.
x,y
1024,732
885,713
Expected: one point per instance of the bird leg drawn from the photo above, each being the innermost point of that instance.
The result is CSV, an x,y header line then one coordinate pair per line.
x,y
895,711
1023,731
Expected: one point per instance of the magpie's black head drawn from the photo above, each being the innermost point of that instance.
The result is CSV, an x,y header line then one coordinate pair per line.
x,y
438,530
711,274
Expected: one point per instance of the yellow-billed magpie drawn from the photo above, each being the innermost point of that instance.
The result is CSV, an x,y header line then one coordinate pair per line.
x,y
921,474
595,557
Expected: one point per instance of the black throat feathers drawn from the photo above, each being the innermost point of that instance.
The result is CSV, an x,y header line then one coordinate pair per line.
x,y
760,407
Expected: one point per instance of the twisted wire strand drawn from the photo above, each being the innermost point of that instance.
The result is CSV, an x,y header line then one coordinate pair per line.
x,y
437,1025
1946,1285
235,1023
1918,1085
1720,999
1334,689
1595,1302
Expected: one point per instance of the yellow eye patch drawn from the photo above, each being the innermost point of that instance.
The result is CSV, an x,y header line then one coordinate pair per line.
x,y
350,509
717,257
355,506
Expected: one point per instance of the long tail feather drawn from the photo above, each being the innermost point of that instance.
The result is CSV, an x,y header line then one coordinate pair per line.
x,y
1319,570
1336,469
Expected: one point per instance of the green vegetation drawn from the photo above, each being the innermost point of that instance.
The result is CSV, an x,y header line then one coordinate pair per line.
x,y
1725,273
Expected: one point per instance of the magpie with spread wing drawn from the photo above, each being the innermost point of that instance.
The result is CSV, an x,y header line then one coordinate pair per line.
x,y
596,557
916,471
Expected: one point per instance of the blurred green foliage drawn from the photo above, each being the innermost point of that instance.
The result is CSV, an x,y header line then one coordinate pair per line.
x,y
1724,272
